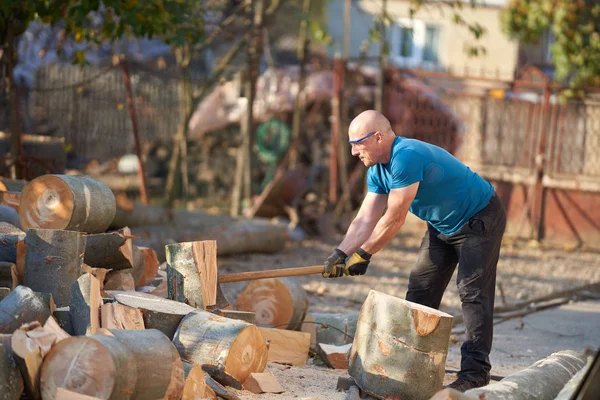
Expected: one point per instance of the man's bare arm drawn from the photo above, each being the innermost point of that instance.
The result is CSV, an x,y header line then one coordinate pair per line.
x,y
387,227
362,226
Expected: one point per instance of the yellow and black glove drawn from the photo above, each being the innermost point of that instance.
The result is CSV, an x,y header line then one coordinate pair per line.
x,y
335,264
358,263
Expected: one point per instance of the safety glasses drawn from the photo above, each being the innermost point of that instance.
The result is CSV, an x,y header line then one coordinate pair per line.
x,y
362,138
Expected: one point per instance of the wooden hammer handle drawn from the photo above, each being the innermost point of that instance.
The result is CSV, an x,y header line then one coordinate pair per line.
x,y
271,273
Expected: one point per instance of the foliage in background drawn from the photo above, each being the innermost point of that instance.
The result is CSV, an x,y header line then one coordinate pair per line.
x,y
576,28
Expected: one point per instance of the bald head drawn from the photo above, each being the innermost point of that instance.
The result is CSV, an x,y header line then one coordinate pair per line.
x,y
369,121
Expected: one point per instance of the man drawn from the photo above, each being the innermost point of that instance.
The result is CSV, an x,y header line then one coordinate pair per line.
x,y
465,224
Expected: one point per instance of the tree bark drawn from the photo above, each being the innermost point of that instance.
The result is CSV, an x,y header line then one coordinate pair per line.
x,y
53,261
8,275
21,306
236,347
158,313
85,302
394,338
113,250
11,382
75,203
277,302
192,273
160,380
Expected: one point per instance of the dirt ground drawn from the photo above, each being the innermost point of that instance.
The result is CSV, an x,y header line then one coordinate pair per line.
x,y
525,271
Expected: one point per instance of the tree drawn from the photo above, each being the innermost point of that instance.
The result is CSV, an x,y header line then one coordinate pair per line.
x,y
576,28
177,22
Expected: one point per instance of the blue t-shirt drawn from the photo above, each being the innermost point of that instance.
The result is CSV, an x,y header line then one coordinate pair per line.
x,y
449,192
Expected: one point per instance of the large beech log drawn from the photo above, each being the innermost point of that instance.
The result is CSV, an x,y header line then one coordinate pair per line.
x,y
394,338
192,273
85,302
195,384
113,250
9,236
158,313
99,367
11,382
236,347
542,380
76,203
8,275
158,363
12,185
330,328
278,302
21,306
53,260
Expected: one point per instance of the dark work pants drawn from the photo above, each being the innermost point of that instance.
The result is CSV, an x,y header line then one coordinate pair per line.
x,y
475,248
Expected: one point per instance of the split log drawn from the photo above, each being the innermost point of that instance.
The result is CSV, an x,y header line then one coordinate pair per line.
x,y
8,275
76,203
21,306
102,368
195,386
85,302
333,356
158,313
119,280
20,263
221,391
263,382
12,185
246,316
113,250
278,302
53,261
52,326
62,315
394,338
161,380
330,328
287,347
238,348
10,199
11,382
542,380
9,236
192,273
118,316
9,215
145,271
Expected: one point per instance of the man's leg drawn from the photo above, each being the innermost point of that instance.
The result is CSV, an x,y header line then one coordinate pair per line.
x,y
435,266
479,246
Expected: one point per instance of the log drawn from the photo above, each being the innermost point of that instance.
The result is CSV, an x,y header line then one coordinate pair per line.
x,y
394,338
581,382
141,215
9,215
192,273
52,326
263,382
334,356
158,313
542,380
85,302
64,394
75,203
246,316
161,380
21,306
62,315
113,250
12,185
92,366
11,199
278,302
238,348
9,236
330,328
4,291
287,347
8,275
119,280
145,272
53,261
118,316
195,386
20,263
11,382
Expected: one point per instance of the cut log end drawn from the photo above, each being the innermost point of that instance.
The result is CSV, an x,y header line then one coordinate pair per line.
x,y
247,354
46,202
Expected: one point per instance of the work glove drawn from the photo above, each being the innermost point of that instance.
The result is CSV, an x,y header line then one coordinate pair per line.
x,y
358,263
335,264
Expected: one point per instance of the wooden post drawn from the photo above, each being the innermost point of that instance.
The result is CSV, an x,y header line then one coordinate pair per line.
x,y
394,338
53,261
136,136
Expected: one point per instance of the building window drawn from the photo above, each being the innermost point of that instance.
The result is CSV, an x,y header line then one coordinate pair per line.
x,y
415,44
